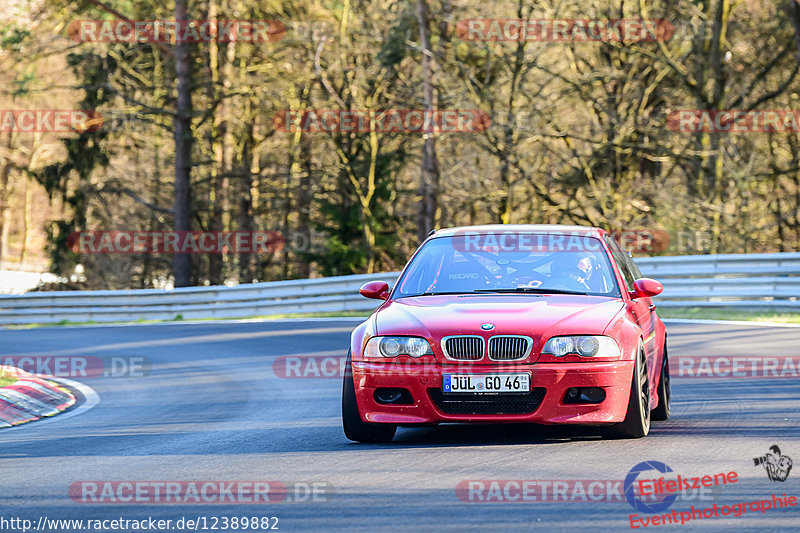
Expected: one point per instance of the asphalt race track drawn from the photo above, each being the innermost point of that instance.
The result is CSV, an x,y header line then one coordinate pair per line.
x,y
211,408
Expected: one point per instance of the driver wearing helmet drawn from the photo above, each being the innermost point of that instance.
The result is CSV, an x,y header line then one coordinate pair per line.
x,y
572,271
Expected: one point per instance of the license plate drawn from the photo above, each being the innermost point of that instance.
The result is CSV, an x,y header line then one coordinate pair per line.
x,y
486,383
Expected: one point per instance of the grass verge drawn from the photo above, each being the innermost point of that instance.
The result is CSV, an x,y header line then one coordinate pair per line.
x,y
728,314
6,378
179,318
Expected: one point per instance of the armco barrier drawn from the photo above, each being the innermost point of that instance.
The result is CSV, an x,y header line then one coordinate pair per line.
x,y
738,280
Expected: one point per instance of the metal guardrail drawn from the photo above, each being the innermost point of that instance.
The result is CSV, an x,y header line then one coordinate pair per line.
x,y
755,281
747,280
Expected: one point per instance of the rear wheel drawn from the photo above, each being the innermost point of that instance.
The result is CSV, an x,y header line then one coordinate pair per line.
x,y
637,419
662,411
354,427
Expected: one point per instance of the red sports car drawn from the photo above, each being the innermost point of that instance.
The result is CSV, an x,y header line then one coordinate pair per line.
x,y
542,324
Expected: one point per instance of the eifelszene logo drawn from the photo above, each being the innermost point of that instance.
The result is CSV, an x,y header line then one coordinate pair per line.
x,y
777,466
636,501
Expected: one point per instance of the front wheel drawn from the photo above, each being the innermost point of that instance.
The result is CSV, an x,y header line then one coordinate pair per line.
x,y
355,428
637,418
662,411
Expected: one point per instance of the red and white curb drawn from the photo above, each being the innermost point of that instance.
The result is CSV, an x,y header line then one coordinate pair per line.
x,y
30,398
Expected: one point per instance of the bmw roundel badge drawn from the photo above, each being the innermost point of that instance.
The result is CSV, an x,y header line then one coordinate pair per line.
x,y
487,327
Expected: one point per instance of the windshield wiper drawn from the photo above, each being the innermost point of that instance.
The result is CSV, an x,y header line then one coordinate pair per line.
x,y
534,290
435,293
509,290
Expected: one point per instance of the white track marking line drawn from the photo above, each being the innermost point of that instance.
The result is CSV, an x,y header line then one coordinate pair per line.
x,y
751,323
193,322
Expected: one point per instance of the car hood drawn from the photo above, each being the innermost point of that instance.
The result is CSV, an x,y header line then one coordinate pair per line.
x,y
537,316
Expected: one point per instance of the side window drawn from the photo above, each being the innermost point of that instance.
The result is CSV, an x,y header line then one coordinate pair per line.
x,y
623,262
637,274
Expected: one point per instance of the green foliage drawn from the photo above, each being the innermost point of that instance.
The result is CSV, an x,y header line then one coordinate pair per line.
x,y
21,84
11,38
69,179
395,47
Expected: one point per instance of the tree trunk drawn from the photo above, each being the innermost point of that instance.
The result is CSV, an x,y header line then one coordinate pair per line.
x,y
217,135
182,263
26,221
5,190
429,175
304,195
244,182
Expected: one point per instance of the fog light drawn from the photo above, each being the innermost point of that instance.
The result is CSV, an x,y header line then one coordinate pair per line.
x,y
593,394
584,395
572,393
394,396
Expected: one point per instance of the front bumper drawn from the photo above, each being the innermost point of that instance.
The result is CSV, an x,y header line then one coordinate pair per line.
x,y
554,378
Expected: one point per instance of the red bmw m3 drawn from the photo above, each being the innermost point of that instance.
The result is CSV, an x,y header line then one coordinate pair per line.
x,y
525,324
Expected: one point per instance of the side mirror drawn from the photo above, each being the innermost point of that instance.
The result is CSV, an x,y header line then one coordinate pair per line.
x,y
646,288
377,290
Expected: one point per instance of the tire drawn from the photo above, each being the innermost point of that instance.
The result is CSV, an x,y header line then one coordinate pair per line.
x,y
355,428
637,418
664,393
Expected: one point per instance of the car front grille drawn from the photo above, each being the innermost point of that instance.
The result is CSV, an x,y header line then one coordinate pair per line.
x,y
464,347
488,404
509,347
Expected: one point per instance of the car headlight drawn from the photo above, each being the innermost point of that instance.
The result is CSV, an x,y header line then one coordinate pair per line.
x,y
394,346
583,345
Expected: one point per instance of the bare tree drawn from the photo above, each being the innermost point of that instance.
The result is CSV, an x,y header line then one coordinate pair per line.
x,y
182,263
429,172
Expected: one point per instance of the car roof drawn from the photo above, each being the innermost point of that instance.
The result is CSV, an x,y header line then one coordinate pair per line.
x,y
519,228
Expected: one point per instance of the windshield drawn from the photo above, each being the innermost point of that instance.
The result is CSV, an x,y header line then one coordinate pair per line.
x,y
503,263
